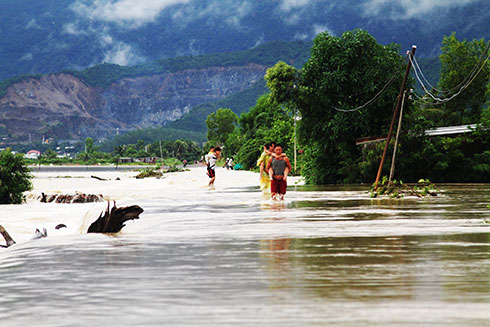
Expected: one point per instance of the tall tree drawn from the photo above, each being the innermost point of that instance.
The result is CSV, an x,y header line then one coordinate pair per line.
x,y
220,125
335,94
463,62
265,122
282,80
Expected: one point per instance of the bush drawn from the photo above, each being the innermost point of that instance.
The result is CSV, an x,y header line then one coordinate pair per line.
x,y
15,178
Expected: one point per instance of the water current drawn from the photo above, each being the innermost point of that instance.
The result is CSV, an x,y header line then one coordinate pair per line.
x,y
228,256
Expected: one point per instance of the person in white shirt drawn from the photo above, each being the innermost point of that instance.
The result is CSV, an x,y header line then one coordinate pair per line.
x,y
211,162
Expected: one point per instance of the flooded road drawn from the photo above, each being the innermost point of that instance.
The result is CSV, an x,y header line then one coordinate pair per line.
x,y
327,256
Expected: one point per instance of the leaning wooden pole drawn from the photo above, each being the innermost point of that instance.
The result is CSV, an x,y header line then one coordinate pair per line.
x,y
393,159
395,114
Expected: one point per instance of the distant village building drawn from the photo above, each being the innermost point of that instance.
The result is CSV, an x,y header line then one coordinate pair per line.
x,y
126,160
150,160
32,154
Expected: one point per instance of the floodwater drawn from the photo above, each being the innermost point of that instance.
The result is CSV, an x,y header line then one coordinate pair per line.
x,y
228,256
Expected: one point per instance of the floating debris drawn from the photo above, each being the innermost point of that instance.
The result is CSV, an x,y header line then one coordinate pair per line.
x,y
78,197
397,189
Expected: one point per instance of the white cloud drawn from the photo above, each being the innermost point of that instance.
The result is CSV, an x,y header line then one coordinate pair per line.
x,y
134,14
27,57
122,54
72,29
105,38
320,28
124,12
409,8
32,24
259,41
288,5
302,36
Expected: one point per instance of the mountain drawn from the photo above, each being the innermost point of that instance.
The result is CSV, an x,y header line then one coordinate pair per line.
x,y
39,37
107,99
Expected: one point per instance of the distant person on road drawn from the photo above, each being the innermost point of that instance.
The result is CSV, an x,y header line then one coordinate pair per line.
x,y
278,168
230,163
211,164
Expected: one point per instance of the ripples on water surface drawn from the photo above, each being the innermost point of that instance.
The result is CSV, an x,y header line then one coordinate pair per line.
x,y
197,257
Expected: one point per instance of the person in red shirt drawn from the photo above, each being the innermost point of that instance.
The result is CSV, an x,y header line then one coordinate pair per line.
x,y
278,167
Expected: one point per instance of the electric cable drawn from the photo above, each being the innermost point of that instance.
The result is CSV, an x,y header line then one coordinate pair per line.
x,y
473,70
370,101
443,100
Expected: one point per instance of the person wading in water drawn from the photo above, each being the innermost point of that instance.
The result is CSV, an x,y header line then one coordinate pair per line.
x,y
265,182
278,168
211,164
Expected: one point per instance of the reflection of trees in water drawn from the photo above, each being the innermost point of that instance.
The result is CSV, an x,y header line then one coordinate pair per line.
x,y
447,267
340,267
460,265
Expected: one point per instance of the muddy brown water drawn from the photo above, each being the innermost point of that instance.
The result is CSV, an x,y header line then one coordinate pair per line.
x,y
327,256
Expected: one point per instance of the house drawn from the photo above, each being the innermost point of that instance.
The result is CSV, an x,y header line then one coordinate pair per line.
x,y
32,154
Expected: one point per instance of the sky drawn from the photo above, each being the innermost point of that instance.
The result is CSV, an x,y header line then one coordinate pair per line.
x,y
103,15
129,32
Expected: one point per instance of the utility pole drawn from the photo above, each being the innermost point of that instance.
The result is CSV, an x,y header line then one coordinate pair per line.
x,y
392,170
161,153
395,113
294,117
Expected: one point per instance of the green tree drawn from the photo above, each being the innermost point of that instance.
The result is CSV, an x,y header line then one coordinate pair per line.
x,y
265,122
335,92
130,151
89,145
50,154
282,81
458,60
220,125
15,178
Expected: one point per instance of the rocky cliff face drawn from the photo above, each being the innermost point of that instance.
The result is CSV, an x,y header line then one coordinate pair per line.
x,y
62,106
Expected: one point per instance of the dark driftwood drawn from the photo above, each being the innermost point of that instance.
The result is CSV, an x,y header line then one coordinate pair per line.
x,y
112,220
78,197
7,237
99,178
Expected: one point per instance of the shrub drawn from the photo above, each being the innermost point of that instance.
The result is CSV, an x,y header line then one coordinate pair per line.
x,y
15,178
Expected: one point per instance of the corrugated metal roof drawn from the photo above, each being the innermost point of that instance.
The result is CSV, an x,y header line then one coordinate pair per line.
x,y
450,130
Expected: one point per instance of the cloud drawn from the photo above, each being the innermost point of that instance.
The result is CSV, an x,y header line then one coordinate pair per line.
x,y
129,13
72,29
27,57
230,12
32,24
288,5
317,29
409,8
302,36
122,54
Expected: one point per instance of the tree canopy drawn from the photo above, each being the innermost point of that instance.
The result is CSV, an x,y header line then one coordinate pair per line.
x,y
463,63
15,178
220,125
342,76
265,122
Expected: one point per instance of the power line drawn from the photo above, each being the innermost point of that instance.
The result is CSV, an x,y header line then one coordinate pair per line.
x,y
370,101
443,100
473,70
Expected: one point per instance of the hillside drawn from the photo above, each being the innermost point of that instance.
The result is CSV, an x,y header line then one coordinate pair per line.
x,y
109,99
48,36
